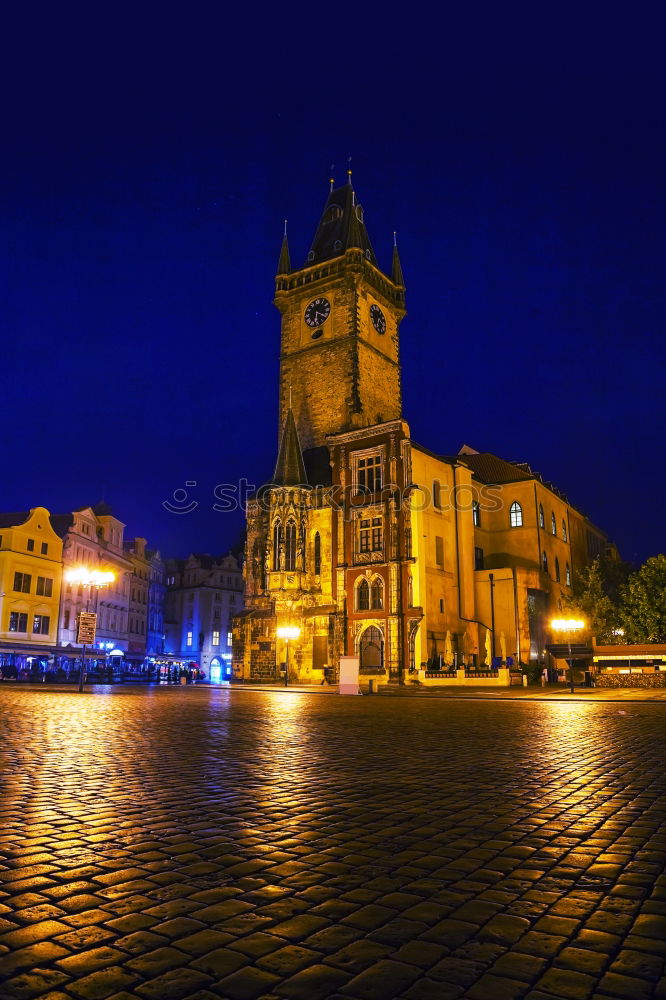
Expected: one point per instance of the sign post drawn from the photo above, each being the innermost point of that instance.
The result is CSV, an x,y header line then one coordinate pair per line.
x,y
349,675
86,635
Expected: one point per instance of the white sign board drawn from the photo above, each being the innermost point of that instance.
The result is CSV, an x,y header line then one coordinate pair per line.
x,y
348,675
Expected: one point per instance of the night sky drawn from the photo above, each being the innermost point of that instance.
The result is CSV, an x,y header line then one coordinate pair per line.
x,y
147,168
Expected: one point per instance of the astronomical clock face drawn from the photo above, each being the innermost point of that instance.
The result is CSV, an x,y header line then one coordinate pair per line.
x,y
317,312
378,319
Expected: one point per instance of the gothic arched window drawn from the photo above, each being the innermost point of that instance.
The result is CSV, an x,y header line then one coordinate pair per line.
x,y
277,543
516,515
553,525
568,575
290,548
363,596
377,594
544,562
317,553
542,520
564,529
557,569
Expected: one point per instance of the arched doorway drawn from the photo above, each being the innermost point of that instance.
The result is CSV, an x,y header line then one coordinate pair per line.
x,y
371,649
215,670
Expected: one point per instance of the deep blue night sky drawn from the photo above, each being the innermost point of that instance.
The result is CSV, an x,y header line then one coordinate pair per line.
x,y
147,168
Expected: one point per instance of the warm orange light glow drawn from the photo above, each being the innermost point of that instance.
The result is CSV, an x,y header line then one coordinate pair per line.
x,y
288,632
567,625
89,577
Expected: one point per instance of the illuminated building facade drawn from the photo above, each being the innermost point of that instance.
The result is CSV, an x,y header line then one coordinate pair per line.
x,y
202,595
30,581
364,540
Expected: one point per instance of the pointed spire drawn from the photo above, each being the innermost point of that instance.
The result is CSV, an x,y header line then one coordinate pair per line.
x,y
290,467
340,227
284,263
396,268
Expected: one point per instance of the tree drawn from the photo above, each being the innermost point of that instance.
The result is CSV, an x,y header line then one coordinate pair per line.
x,y
643,607
589,600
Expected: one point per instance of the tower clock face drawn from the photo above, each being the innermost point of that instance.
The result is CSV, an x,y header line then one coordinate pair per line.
x,y
317,312
378,319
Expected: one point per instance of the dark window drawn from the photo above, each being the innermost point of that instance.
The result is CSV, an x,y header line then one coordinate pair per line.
x,y
408,542
18,621
45,548
40,625
542,520
476,513
317,553
290,548
65,620
439,550
31,545
564,530
377,594
44,586
544,562
441,605
277,544
369,472
557,569
437,494
377,534
568,575
363,596
478,557
22,582
364,535
516,515
553,525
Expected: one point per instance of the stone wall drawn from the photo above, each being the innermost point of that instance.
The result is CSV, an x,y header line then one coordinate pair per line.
x,y
631,680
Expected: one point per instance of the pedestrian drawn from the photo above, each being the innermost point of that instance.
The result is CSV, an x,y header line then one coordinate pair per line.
x,y
544,677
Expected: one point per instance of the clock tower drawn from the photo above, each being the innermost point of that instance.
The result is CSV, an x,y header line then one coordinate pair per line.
x,y
339,360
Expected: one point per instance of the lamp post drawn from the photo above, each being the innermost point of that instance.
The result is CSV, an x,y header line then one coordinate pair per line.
x,y
568,626
96,579
287,632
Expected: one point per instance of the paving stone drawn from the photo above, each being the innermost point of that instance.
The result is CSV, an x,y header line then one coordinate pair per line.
x,y
86,962
220,963
385,978
638,964
154,963
177,984
582,960
496,987
29,957
504,929
248,983
627,987
360,954
34,983
102,984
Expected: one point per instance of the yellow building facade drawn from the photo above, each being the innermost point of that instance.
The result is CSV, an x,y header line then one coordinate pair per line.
x,y
427,566
30,583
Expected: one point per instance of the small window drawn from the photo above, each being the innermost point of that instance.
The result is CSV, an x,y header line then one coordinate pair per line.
x,y
65,620
317,553
290,548
18,621
188,641
22,582
553,525
277,544
363,596
516,515
377,594
333,213
216,638
564,530
441,605
557,569
45,548
44,586
439,550
369,473
31,545
437,494
542,519
476,513
567,576
544,562
229,638
478,557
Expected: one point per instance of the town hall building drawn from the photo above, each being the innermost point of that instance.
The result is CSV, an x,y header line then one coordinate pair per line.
x,y
366,542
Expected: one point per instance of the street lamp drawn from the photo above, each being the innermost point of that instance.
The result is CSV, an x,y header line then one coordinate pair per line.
x,y
287,632
569,626
91,578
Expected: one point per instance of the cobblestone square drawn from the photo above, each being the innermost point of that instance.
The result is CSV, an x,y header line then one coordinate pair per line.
x,y
162,844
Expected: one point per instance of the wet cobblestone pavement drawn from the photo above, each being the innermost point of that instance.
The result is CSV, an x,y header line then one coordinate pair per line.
x,y
164,844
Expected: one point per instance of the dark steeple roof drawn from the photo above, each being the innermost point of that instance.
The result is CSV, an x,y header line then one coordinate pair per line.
x,y
340,228
284,263
290,468
396,268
